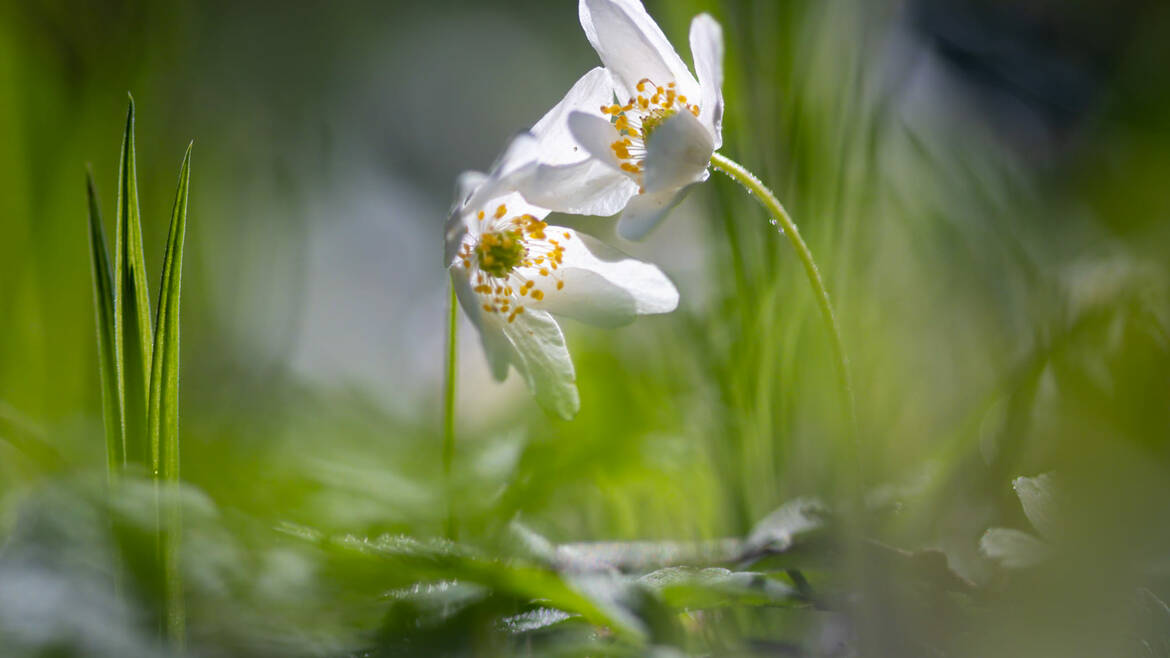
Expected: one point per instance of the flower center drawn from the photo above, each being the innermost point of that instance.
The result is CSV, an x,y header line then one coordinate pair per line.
x,y
655,118
637,120
499,252
512,258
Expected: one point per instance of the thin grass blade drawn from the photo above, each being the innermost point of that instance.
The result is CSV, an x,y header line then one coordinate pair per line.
x,y
164,379
103,301
132,331
163,410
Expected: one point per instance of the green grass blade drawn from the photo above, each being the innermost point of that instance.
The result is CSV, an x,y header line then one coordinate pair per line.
x,y
103,300
163,410
164,377
132,331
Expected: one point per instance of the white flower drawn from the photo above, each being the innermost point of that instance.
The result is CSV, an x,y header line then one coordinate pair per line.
x,y
512,270
647,149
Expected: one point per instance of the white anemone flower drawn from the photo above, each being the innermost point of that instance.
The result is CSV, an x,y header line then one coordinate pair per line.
x,y
647,125
512,271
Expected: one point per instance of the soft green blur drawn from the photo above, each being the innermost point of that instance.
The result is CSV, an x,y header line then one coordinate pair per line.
x,y
1006,313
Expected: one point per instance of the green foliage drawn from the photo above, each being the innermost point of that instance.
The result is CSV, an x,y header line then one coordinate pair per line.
x,y
104,311
132,329
140,365
163,410
441,559
699,589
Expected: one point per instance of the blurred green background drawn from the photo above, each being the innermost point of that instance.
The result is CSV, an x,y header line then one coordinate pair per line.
x,y
982,182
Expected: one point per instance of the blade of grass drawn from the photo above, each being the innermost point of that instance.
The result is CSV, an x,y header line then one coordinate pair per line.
x,y
449,410
164,379
103,301
163,409
132,331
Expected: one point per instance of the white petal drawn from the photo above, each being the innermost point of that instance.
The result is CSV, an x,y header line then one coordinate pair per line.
x,y
521,151
515,205
543,360
585,188
645,211
569,178
466,184
453,232
466,221
707,51
457,226
588,94
678,153
519,159
595,135
496,347
605,287
632,46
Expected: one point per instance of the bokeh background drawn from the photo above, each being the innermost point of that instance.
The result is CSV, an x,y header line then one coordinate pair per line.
x,y
983,182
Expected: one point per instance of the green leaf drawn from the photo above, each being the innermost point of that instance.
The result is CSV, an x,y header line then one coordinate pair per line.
x,y
132,331
443,559
513,576
926,566
1037,498
1014,549
792,531
691,588
629,556
103,301
163,408
534,620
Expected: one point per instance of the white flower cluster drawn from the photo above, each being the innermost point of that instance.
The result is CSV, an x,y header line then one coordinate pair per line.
x,y
630,137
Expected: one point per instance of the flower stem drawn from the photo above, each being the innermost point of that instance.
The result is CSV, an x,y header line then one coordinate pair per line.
x,y
449,411
753,185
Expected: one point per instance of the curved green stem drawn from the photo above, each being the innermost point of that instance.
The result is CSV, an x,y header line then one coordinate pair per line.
x,y
780,216
449,410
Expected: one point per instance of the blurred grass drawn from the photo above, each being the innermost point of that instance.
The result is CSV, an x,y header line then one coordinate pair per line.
x,y
1006,315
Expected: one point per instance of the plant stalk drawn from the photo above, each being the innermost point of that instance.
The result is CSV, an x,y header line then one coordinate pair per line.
x,y
449,410
741,175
